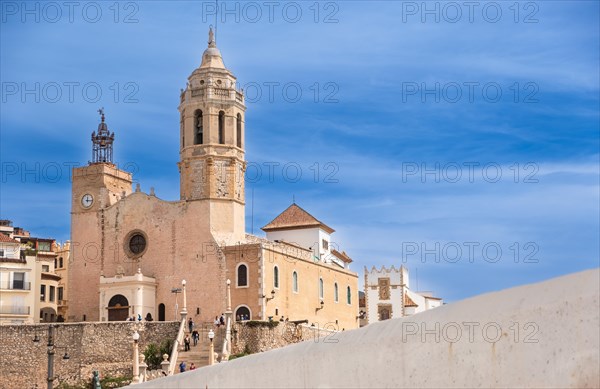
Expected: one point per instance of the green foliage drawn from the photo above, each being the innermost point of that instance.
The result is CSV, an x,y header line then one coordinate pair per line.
x,y
242,354
115,382
154,353
259,323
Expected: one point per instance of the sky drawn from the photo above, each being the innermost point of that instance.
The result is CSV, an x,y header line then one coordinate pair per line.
x,y
459,140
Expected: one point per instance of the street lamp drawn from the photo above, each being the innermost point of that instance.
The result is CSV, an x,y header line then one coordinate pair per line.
x,y
176,291
51,351
272,296
321,307
136,364
211,351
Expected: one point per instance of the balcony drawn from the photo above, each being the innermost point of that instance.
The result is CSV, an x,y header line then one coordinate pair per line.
x,y
15,285
14,310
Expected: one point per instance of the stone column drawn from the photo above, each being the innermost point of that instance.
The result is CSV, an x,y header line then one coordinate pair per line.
x,y
142,368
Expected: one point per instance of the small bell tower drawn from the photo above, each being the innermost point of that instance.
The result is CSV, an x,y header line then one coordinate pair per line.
x,y
212,117
102,142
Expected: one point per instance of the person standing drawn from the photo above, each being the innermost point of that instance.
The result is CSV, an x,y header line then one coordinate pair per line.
x,y
186,342
182,367
191,324
195,337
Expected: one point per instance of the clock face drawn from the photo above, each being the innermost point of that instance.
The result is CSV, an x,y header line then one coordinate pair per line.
x,y
87,200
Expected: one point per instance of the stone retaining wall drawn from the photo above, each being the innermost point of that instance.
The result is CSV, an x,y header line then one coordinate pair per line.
x,y
257,339
106,347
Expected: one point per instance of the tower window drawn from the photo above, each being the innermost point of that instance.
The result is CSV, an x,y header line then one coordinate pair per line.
x,y
295,282
276,277
221,127
239,130
198,128
242,275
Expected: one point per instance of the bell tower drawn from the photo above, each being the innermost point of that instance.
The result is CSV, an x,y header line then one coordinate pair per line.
x,y
212,163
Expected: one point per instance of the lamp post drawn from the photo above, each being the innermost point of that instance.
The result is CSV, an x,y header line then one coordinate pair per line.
x,y
229,321
176,291
184,310
136,358
211,350
51,352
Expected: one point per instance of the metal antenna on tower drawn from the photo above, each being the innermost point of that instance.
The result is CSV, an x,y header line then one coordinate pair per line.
x,y
216,18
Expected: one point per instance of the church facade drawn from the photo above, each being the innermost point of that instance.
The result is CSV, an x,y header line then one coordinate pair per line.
x,y
130,250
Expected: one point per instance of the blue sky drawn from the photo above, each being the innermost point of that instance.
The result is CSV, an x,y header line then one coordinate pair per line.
x,y
387,149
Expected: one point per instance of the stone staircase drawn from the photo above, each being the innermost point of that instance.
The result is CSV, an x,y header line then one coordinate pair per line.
x,y
199,354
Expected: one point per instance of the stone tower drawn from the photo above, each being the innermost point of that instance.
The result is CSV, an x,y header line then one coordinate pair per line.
x,y
212,161
95,187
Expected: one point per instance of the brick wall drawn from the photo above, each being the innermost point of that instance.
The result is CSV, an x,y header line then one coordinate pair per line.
x,y
106,347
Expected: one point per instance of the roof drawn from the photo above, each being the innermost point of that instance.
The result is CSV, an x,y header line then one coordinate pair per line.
x,y
8,239
343,256
408,302
294,218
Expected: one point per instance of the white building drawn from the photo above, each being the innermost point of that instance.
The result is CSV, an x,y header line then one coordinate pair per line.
x,y
18,283
388,295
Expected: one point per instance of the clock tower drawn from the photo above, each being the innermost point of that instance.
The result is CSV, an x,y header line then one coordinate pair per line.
x,y
101,183
212,161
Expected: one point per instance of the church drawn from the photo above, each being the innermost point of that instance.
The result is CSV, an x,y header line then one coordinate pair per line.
x,y
131,251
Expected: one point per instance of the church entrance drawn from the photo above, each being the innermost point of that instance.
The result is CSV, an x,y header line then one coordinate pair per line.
x,y
118,308
385,312
242,313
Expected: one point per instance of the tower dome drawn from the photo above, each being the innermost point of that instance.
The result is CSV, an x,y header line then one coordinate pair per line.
x,y
211,58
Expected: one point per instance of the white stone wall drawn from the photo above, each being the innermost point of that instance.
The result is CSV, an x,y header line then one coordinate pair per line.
x,y
557,347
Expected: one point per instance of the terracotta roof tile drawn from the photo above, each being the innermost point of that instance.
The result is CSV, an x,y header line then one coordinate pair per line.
x,y
408,302
295,217
7,239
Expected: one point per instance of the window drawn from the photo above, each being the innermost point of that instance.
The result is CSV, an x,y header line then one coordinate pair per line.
x,y
349,295
325,245
42,292
242,275
198,128
137,244
60,262
46,268
239,130
18,281
60,293
335,292
321,288
222,127
295,282
52,293
1,253
55,263
276,277
44,246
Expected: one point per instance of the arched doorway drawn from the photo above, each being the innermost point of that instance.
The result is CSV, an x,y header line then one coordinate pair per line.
x,y
47,315
242,313
118,308
161,312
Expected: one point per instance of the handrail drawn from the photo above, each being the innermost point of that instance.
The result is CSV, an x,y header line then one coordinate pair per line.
x,y
175,350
